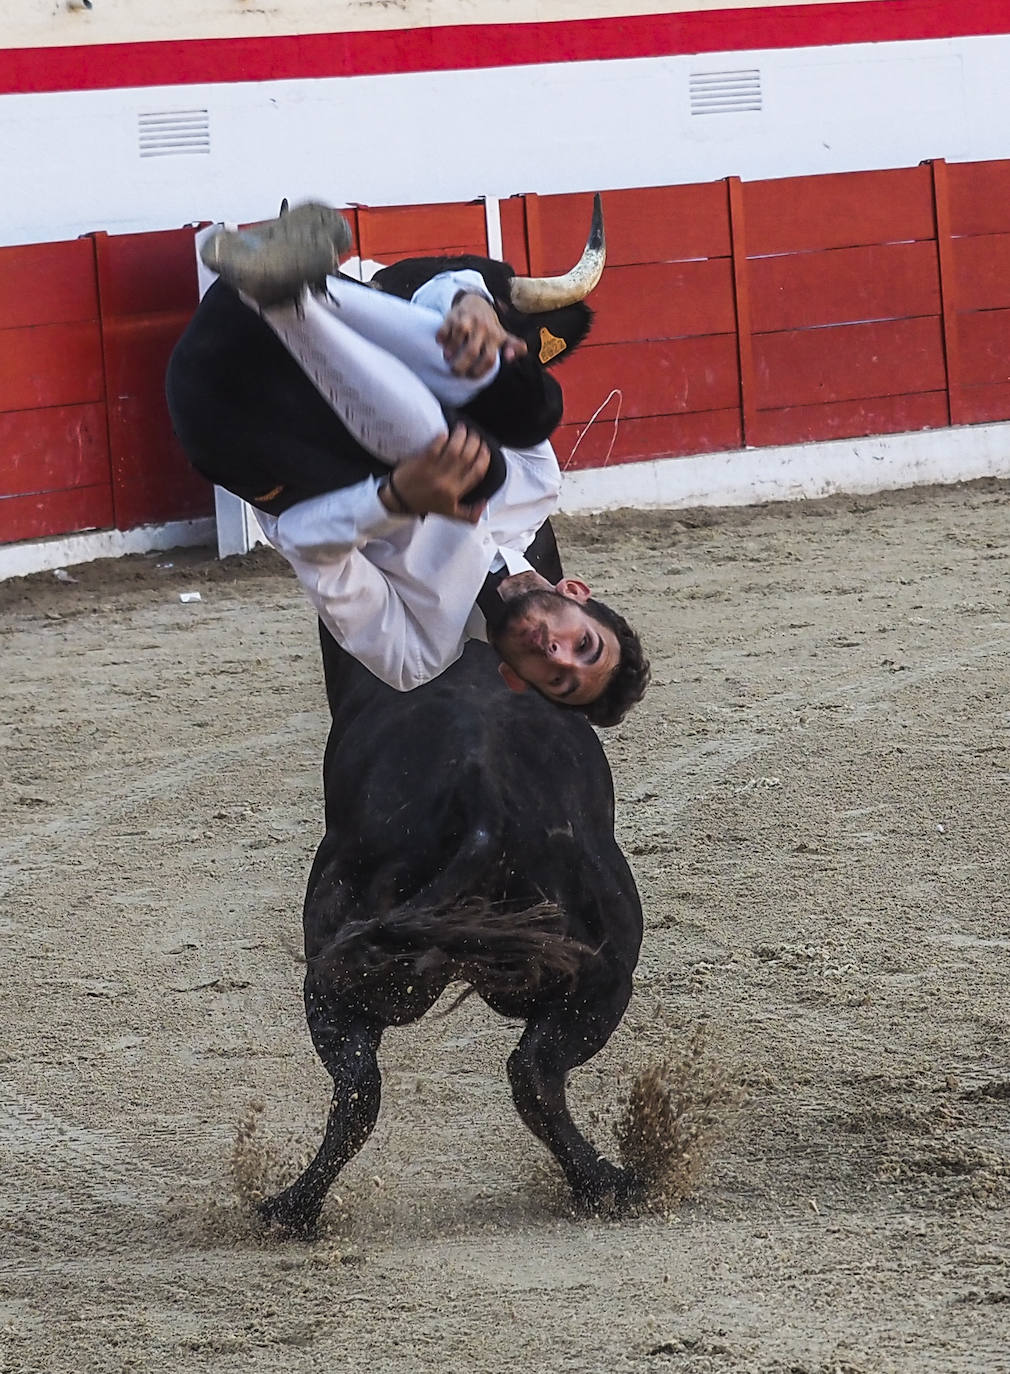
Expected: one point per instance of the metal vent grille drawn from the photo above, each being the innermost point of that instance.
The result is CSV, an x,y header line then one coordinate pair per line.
x,y
725,92
171,133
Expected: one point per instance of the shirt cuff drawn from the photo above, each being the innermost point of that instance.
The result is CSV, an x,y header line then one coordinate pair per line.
x,y
440,292
335,523
514,562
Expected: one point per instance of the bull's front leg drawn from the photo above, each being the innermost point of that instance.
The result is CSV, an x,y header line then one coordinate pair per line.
x,y
553,1044
348,1048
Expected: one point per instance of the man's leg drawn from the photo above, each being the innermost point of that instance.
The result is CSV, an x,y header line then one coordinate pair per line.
x,y
248,417
270,265
406,330
384,405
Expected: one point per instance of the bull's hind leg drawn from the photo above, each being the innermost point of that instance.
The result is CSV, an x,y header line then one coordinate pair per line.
x,y
555,1041
348,1047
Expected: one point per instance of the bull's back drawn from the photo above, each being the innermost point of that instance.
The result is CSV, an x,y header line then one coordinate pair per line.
x,y
464,786
463,731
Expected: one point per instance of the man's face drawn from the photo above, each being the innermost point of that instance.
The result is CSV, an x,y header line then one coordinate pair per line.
x,y
547,640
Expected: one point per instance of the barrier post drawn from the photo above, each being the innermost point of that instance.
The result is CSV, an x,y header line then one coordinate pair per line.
x,y
948,292
741,293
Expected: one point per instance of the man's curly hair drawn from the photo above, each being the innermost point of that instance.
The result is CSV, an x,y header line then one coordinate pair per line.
x,y
629,679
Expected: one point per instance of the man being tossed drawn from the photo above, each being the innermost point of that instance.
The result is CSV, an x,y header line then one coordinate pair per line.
x,y
332,413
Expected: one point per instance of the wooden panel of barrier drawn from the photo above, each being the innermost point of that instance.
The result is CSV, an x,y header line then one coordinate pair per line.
x,y
982,271
669,300
979,197
659,372
840,210
844,286
985,404
512,219
47,283
850,419
387,233
610,439
54,457
50,365
657,377
52,448
849,363
39,514
147,292
985,348
646,225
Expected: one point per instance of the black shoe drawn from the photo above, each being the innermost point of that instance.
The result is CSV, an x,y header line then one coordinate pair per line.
x,y
272,262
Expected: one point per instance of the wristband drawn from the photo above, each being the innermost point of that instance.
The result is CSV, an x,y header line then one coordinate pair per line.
x,y
402,507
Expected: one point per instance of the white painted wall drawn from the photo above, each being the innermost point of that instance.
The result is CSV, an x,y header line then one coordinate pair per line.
x,y
74,158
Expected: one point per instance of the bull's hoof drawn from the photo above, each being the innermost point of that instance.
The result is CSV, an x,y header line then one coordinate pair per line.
x,y
610,1192
284,1216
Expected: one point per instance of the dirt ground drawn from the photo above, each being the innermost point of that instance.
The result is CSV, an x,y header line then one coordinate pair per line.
x,y
815,801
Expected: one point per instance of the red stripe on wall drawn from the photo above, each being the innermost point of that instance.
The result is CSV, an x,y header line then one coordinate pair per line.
x,y
468,46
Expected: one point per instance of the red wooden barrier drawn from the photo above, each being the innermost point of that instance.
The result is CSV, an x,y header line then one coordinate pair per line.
x,y
764,313
978,308
54,452
147,287
85,332
388,233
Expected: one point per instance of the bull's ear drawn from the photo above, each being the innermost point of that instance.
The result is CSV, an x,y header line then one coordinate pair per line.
x,y
573,588
511,678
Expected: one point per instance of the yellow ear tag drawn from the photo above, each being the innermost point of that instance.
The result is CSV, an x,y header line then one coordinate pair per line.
x,y
550,345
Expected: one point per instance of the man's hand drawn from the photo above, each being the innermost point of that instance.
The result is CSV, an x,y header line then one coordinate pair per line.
x,y
435,482
472,336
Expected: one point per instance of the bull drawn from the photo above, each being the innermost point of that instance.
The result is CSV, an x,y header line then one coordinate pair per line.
x,y
469,838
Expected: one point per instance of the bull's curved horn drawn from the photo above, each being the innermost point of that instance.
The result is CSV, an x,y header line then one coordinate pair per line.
x,y
531,294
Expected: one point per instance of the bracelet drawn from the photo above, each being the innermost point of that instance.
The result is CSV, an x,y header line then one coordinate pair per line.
x,y
402,507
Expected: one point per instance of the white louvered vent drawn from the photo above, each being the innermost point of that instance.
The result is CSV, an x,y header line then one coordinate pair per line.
x,y
171,133
725,92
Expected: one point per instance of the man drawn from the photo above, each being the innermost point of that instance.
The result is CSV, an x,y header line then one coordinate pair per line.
x,y
395,516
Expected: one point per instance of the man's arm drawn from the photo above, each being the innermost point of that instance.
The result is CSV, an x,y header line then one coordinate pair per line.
x,y
520,402
399,611
472,336
327,528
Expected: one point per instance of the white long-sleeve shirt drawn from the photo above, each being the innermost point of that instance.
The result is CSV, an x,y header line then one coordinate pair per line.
x,y
398,592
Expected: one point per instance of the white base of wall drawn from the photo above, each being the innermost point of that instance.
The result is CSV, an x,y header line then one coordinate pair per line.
x,y
742,477
18,560
746,477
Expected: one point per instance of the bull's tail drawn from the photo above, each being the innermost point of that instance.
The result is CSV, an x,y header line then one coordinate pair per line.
x,y
486,944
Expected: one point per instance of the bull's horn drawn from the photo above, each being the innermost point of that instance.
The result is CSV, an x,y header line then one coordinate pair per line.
x,y
531,294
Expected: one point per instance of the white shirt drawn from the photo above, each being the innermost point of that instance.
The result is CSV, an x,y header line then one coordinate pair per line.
x,y
398,592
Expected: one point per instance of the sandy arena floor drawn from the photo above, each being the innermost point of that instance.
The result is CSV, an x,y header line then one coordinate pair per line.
x,y
815,800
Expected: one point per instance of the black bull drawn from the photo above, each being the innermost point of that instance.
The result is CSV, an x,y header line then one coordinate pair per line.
x,y
469,837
